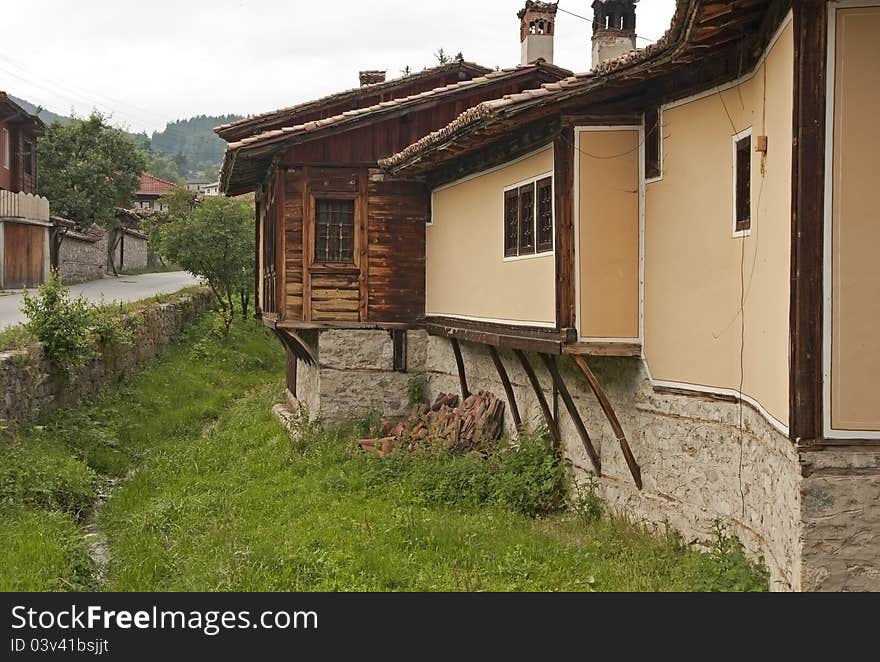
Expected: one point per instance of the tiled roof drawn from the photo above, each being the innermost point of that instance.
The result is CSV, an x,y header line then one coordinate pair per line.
x,y
151,185
354,93
385,106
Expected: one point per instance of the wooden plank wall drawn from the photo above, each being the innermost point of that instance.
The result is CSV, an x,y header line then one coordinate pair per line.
x,y
387,282
397,215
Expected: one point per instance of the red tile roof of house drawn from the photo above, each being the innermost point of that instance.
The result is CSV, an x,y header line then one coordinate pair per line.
x,y
151,185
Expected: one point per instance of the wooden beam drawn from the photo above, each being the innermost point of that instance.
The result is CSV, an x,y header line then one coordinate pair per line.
x,y
567,400
542,401
459,361
307,245
363,244
605,403
548,341
564,217
508,388
808,222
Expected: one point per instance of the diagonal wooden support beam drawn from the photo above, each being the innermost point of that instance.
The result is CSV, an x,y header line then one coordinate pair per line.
x,y
605,403
508,389
542,401
553,369
459,361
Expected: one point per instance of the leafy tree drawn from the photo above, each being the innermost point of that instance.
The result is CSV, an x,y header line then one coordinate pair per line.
x,y
161,166
213,239
87,169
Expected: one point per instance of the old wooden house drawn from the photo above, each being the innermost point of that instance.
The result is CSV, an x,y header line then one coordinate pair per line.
x,y
341,245
24,216
683,243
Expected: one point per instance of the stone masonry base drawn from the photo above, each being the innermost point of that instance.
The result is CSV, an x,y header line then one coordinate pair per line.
x,y
812,517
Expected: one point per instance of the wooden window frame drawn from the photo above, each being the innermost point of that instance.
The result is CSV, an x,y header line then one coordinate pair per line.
x,y
334,267
513,192
742,144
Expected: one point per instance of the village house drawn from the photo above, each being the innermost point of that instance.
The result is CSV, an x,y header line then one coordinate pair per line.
x,y
150,189
665,261
24,216
341,245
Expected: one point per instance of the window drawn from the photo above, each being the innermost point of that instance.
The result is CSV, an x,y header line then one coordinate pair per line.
x,y
743,193
528,218
29,157
4,148
334,231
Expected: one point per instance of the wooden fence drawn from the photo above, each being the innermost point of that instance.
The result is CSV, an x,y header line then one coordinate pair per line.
x,y
23,205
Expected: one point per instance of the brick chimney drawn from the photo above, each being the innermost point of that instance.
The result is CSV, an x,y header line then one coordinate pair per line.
x,y
372,77
614,29
537,27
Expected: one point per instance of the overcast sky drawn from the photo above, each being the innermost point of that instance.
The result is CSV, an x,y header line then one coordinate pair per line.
x,y
148,63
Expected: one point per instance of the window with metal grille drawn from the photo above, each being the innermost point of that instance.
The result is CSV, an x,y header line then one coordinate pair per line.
x,y
744,184
334,231
545,214
528,218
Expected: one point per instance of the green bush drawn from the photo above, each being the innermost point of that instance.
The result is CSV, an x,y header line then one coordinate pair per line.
x,y
61,324
68,328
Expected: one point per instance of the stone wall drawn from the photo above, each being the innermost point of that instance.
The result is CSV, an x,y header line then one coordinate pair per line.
x,y
133,253
356,374
32,387
81,260
841,519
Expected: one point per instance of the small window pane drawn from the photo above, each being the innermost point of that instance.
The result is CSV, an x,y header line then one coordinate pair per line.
x,y
743,184
511,225
545,215
527,219
334,237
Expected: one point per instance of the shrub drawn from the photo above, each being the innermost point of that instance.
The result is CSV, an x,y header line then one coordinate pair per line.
x,y
68,328
60,323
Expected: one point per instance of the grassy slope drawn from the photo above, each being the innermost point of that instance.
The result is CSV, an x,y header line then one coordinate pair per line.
x,y
222,500
49,474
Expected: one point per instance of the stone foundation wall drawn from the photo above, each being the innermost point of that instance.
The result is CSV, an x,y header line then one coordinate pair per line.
x,y
356,374
841,520
80,261
32,387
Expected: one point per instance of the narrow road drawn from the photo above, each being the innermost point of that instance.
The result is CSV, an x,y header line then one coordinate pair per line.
x,y
123,289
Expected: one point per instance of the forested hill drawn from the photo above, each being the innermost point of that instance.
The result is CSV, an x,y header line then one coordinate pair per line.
x,y
185,150
193,145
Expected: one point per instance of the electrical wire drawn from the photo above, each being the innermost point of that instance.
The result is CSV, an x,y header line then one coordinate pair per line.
x,y
592,22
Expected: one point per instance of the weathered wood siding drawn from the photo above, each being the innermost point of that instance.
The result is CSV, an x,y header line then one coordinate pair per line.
x,y
396,229
386,281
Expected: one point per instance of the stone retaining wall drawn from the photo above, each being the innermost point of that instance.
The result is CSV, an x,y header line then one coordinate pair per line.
x,y
32,387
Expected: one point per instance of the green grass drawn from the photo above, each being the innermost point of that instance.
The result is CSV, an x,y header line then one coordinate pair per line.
x,y
223,500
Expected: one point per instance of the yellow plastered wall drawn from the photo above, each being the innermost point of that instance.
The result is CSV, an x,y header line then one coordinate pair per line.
x,y
855,268
608,233
467,275
696,272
